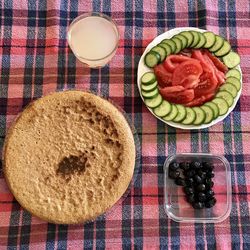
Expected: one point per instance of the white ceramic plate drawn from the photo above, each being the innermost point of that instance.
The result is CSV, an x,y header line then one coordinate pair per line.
x,y
142,68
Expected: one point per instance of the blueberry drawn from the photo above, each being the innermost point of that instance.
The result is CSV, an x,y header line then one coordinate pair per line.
x,y
184,165
197,179
190,173
196,165
210,203
188,190
174,166
210,174
201,196
208,170
209,183
201,187
189,181
209,193
198,205
191,198
201,173
174,174
207,166
208,180
180,181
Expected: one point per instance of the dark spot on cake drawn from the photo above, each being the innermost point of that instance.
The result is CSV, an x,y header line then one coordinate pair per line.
x,y
90,111
66,110
114,177
87,165
109,141
106,122
98,116
47,179
90,194
72,165
99,180
93,155
119,157
114,133
68,178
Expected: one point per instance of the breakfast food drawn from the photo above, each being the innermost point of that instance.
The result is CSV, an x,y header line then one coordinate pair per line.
x,y
69,157
197,181
191,78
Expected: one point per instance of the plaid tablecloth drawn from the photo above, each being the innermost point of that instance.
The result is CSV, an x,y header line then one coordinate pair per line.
x,y
35,59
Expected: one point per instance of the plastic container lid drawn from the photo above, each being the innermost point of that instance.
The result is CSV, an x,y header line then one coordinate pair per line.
x,y
175,204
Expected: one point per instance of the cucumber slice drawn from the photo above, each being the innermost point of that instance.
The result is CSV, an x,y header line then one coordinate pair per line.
x,y
196,38
183,39
210,39
166,47
190,116
148,78
219,41
234,72
150,94
161,51
224,50
178,44
214,107
235,81
152,58
222,105
231,60
172,114
201,42
226,96
149,87
189,37
209,114
164,109
154,102
200,115
229,87
170,43
181,113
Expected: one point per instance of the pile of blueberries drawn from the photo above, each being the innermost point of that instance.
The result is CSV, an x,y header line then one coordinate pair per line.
x,y
196,179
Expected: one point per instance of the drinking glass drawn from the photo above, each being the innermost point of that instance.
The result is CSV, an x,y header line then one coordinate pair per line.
x,y
93,38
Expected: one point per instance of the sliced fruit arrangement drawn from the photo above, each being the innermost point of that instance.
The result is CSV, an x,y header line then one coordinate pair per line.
x,y
194,78
193,39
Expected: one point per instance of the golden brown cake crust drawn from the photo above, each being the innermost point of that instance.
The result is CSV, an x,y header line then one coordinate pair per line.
x,y
69,157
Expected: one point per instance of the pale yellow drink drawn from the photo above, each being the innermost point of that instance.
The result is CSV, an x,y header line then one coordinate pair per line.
x,y
94,39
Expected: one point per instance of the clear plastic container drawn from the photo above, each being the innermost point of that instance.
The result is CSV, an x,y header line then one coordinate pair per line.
x,y
176,206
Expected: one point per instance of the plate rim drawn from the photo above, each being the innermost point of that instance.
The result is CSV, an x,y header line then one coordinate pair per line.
x,y
142,69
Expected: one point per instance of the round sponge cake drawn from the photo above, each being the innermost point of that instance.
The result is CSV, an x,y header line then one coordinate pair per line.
x,y
69,157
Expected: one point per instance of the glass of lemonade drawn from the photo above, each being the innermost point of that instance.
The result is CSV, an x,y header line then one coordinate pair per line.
x,y
93,38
